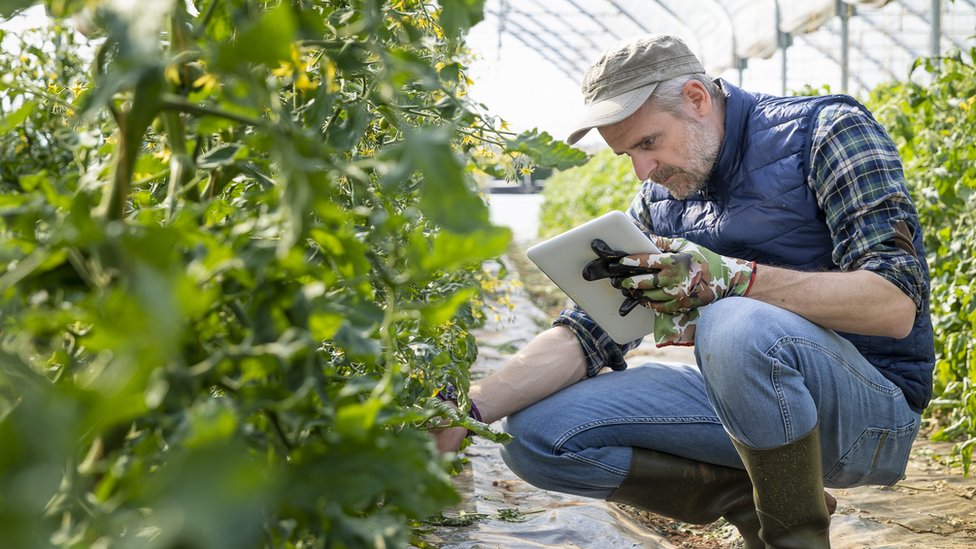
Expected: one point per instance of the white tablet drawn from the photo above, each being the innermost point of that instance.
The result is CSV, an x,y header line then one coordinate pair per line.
x,y
563,257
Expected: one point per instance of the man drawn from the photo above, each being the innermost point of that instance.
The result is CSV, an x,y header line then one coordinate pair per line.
x,y
793,246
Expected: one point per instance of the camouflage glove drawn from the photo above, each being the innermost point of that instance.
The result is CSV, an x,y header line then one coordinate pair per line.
x,y
683,277
669,329
676,329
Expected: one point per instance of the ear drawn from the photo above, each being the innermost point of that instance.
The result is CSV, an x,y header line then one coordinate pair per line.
x,y
697,98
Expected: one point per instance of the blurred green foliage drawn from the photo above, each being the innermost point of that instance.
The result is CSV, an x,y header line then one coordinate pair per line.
x,y
932,118
240,252
574,196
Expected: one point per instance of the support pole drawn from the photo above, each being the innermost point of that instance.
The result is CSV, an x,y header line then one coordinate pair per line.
x,y
935,49
844,12
785,41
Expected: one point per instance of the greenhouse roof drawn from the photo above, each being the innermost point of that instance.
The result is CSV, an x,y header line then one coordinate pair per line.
x,y
773,46
865,41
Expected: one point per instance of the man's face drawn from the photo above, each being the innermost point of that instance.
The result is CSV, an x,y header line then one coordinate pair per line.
x,y
677,152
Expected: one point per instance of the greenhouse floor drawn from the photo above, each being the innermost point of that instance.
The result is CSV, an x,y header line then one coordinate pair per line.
x,y
934,507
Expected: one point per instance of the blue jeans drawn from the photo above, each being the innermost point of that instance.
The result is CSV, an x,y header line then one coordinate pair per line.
x,y
765,376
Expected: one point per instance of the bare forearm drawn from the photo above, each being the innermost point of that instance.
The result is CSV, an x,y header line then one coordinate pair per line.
x,y
550,362
859,302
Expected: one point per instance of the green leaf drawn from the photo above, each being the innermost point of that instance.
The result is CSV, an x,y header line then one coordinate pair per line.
x,y
211,422
445,196
267,41
223,155
450,251
11,7
457,16
357,344
323,325
545,151
358,420
440,312
16,118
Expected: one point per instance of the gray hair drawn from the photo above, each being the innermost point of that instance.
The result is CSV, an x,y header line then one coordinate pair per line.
x,y
669,94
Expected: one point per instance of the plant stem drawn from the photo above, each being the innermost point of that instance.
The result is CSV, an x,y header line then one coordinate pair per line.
x,y
175,102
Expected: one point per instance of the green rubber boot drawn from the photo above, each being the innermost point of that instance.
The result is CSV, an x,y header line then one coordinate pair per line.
x,y
690,491
789,495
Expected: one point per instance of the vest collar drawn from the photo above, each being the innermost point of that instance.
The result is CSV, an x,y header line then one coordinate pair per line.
x,y
738,106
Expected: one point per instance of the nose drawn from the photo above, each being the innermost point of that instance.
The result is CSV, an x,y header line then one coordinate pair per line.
x,y
643,166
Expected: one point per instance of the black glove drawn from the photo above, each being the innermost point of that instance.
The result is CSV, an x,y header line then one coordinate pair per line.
x,y
607,265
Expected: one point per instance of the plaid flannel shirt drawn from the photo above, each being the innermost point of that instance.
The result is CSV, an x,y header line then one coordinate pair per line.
x,y
856,175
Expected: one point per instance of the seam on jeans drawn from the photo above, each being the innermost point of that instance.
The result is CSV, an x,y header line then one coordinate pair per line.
x,y
781,397
559,442
893,390
594,463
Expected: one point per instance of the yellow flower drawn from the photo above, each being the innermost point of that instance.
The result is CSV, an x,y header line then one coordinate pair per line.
x,y
172,74
205,83
330,77
527,170
284,70
505,126
304,83
162,154
77,89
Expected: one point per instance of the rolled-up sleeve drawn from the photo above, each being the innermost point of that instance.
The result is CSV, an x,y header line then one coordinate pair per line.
x,y
857,176
599,349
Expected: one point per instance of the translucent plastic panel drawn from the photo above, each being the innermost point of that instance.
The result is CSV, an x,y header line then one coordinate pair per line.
x,y
868,3
802,16
755,27
711,25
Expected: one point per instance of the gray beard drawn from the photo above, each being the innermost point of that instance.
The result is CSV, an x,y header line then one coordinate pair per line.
x,y
701,152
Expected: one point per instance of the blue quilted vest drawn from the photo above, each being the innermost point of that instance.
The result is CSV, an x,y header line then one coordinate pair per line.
x,y
758,206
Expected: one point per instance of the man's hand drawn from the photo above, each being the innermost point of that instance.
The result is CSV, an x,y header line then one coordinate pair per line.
x,y
683,277
448,439
676,329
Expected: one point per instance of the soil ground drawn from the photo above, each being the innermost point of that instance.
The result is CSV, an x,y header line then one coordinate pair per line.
x,y
933,507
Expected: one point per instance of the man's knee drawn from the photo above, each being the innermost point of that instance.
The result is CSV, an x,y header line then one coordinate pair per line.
x,y
728,320
732,339
529,455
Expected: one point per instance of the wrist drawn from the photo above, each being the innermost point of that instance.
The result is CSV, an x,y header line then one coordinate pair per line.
x,y
742,276
753,272
450,394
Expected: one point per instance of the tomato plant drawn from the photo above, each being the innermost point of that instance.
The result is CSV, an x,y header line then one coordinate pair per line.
x,y
240,254
932,118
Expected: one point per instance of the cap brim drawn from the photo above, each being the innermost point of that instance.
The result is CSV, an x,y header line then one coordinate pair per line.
x,y
610,111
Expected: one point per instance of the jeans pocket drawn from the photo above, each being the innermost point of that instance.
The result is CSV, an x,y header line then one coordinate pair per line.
x,y
878,456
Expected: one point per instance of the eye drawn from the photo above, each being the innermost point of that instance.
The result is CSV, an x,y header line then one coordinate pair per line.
x,y
646,143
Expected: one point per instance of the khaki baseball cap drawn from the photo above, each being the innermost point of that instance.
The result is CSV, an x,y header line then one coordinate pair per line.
x,y
625,76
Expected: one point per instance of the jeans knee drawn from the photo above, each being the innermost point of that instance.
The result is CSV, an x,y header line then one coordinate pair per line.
x,y
732,338
528,455
726,331
727,321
